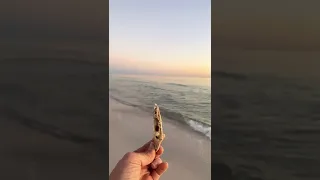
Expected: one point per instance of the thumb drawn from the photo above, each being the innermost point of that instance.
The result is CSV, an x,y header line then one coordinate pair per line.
x,y
147,156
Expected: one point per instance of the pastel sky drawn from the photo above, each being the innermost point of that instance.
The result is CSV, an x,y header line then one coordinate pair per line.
x,y
164,37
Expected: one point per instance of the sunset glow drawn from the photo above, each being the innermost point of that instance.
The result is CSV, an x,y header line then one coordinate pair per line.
x,y
160,37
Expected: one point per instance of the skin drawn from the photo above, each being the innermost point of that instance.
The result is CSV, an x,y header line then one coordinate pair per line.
x,y
142,164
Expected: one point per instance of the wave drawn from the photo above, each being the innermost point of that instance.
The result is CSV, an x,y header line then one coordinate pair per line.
x,y
172,115
164,112
177,84
153,87
198,126
234,76
122,101
49,129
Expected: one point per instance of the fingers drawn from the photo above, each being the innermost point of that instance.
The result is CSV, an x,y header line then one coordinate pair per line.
x,y
159,152
145,147
159,171
147,156
156,163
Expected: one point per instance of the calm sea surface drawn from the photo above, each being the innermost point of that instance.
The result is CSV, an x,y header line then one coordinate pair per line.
x,y
266,127
184,100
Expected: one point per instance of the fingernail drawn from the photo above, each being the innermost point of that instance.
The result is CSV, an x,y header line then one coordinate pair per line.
x,y
153,166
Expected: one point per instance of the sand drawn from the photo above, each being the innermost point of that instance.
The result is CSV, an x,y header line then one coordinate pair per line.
x,y
187,152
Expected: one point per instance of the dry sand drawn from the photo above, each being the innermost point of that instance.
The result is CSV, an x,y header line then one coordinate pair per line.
x,y
188,153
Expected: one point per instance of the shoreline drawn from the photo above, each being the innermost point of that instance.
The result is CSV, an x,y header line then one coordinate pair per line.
x,y
187,152
181,123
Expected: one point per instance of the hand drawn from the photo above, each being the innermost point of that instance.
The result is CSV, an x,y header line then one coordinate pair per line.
x,y
142,164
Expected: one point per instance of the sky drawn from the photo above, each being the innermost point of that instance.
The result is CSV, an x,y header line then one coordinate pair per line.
x,y
280,37
54,28
171,37
167,37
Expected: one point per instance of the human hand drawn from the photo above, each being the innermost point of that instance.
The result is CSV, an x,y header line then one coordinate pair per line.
x,y
142,164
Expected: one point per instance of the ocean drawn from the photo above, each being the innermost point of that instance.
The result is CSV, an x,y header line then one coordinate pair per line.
x,y
64,98
53,119
266,127
183,100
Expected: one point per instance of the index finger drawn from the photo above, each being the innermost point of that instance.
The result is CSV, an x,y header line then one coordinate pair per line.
x,y
144,147
159,152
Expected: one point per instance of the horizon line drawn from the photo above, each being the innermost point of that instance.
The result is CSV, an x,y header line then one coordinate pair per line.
x,y
161,75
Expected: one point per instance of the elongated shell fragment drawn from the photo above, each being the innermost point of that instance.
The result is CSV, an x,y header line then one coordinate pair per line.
x,y
158,135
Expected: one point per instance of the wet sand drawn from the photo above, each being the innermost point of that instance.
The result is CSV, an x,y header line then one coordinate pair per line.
x,y
187,152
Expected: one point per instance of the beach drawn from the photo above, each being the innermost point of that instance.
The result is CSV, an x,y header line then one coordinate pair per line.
x,y
187,152
53,120
53,125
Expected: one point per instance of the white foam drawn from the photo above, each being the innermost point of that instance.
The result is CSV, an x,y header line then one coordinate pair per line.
x,y
201,128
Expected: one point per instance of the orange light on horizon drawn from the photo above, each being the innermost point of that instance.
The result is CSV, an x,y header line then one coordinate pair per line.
x,y
195,68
